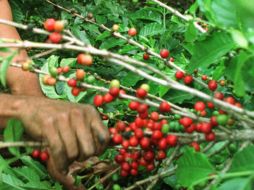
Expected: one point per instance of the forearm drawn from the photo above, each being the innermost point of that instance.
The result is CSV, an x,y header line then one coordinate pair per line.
x,y
20,82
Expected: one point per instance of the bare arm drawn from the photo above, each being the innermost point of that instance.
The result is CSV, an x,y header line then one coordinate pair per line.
x,y
29,84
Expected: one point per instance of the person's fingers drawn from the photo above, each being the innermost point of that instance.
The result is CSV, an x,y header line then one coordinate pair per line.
x,y
100,132
57,151
66,180
83,133
68,136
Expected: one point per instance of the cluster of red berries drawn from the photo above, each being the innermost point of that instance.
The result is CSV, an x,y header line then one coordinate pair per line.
x,y
55,27
41,155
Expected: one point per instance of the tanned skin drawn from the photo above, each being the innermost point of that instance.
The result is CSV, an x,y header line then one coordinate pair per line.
x,y
74,132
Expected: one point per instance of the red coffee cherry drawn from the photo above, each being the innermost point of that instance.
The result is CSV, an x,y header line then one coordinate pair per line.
x,y
119,158
75,91
219,95
36,153
132,32
80,74
120,126
59,26
164,107
206,128
98,100
72,83
156,135
191,128
142,108
134,105
161,155
186,121
114,91
139,133
146,56
145,143
179,75
210,105
55,37
164,53
124,173
230,100
149,155
172,140
49,24
188,79
199,106
204,77
196,146
85,59
107,98
150,167
141,93
210,136
212,85
44,156
133,141
162,144
155,116
117,139
66,69
134,172
125,144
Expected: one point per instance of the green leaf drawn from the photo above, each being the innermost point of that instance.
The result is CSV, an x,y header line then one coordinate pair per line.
x,y
49,91
191,33
111,43
4,67
68,62
13,132
130,79
35,165
237,183
210,50
239,38
81,35
243,160
152,29
27,173
147,14
192,166
224,13
10,182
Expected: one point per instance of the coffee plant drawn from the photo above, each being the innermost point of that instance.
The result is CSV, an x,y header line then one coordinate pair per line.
x,y
173,83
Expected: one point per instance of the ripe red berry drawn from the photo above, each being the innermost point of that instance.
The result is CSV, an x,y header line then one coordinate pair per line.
x,y
185,121
85,59
155,116
124,173
156,135
162,144
44,156
210,136
36,153
72,83
114,91
164,53
107,98
119,158
141,93
164,107
212,85
75,91
179,75
149,155
134,105
161,155
196,146
188,79
143,115
204,77
206,128
142,108
59,26
146,56
134,172
125,144
218,95
199,106
55,37
133,141
49,24
139,122
132,32
150,167
117,139
171,59
98,100
213,121
172,140
139,133
80,74
191,128
230,100
66,69
145,143
120,126
210,105
125,166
